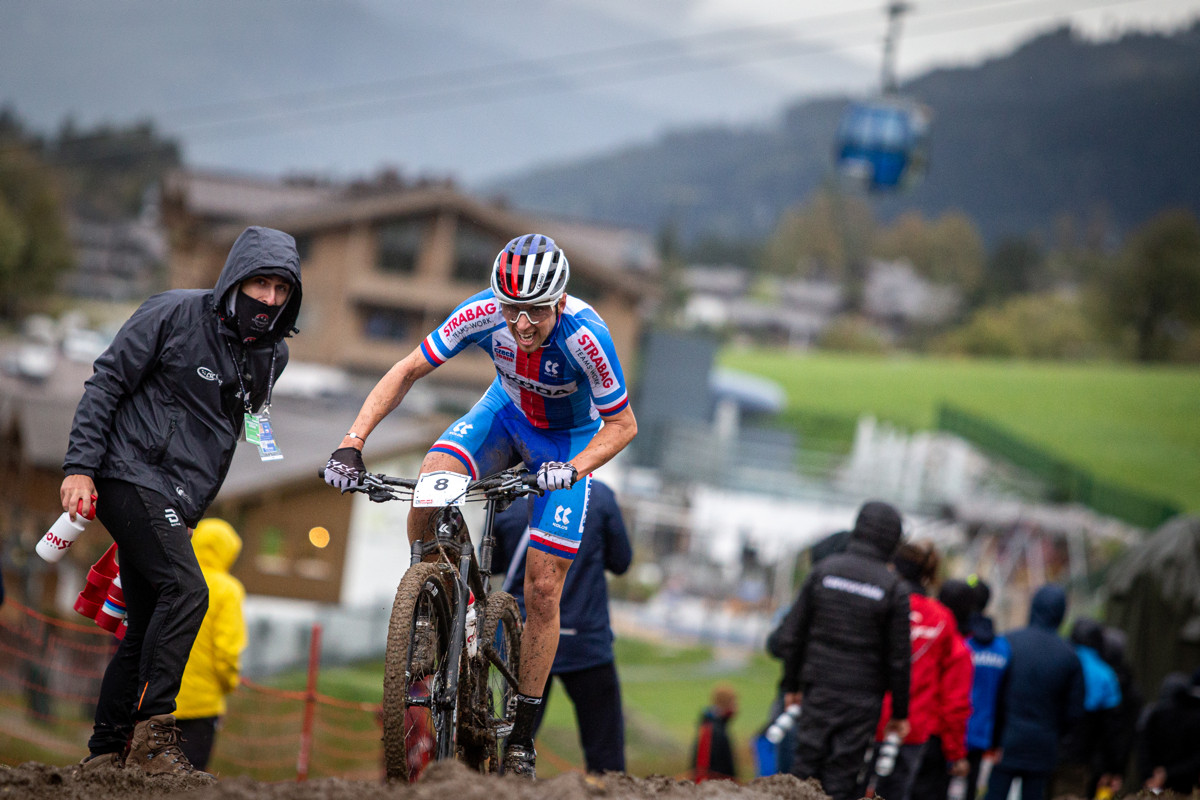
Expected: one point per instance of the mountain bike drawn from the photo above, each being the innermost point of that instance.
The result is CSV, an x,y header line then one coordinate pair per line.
x,y
454,647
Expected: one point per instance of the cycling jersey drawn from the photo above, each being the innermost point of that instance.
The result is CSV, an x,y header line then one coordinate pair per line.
x,y
573,378
542,406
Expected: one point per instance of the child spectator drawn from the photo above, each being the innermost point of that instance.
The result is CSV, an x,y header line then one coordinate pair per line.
x,y
214,666
712,752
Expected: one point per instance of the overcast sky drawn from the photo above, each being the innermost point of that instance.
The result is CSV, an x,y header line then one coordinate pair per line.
x,y
933,32
479,88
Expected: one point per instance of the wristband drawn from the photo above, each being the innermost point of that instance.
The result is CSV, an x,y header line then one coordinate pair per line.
x,y
353,435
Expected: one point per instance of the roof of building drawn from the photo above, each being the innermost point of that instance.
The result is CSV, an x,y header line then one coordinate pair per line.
x,y
602,252
221,195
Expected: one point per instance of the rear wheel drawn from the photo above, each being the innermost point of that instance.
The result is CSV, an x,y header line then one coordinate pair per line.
x,y
418,725
486,706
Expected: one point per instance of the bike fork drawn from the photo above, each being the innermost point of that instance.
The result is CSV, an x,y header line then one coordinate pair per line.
x,y
449,694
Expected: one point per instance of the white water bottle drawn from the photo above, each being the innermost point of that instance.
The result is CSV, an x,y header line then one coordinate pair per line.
x,y
472,638
886,762
957,789
783,723
64,532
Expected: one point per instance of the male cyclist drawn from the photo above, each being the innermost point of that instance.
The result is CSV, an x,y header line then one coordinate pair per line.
x,y
558,404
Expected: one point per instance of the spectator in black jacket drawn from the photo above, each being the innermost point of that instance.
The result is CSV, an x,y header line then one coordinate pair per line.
x,y
151,444
1169,747
845,643
777,647
1041,698
584,662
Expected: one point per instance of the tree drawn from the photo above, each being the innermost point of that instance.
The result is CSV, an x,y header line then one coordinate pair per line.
x,y
829,237
1013,268
1042,326
34,247
1154,286
947,251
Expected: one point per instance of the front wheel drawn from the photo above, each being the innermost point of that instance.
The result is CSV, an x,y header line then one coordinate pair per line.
x,y
418,723
486,716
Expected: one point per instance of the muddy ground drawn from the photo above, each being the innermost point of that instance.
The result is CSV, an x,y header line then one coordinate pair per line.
x,y
447,780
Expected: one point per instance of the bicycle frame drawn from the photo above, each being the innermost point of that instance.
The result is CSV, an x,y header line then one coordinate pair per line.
x,y
471,574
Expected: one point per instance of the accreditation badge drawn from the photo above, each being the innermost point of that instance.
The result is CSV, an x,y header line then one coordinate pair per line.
x,y
260,434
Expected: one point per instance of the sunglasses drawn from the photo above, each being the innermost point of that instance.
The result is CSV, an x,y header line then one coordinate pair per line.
x,y
535,314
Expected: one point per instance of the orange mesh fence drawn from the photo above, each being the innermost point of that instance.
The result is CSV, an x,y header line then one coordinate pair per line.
x,y
50,673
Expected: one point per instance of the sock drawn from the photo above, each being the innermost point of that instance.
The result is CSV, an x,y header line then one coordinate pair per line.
x,y
527,709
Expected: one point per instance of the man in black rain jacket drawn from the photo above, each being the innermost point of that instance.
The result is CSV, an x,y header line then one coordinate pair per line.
x,y
151,444
845,642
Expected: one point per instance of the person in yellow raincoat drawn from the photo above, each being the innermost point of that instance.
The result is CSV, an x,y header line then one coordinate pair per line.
x,y
214,667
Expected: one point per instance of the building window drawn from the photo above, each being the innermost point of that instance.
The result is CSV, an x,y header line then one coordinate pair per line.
x,y
400,245
474,252
390,324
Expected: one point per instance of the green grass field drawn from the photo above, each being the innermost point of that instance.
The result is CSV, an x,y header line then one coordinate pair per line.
x,y
1133,425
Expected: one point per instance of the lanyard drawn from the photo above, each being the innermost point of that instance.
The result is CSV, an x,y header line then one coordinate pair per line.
x,y
242,385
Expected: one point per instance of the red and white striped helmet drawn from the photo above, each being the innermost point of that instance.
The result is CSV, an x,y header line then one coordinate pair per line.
x,y
530,269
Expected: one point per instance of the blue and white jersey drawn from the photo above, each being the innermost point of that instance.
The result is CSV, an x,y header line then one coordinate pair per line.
x,y
573,378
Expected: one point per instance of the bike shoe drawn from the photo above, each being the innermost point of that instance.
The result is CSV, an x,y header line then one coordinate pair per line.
x,y
520,761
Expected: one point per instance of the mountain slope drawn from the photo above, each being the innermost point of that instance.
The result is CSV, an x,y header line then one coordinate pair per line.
x,y
1100,131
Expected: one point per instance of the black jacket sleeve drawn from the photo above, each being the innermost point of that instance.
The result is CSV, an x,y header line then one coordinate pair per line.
x,y
899,655
792,639
118,372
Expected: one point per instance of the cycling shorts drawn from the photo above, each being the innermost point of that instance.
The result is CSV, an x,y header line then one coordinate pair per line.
x,y
496,435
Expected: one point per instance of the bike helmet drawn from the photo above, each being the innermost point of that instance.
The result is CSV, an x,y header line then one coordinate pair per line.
x,y
530,269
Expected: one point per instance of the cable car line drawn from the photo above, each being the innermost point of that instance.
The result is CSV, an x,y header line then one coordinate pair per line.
x,y
643,61
490,79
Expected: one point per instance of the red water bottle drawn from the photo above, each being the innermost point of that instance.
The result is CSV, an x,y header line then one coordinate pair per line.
x,y
99,579
64,532
112,613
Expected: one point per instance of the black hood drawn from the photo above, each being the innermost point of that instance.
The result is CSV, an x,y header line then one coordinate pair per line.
x,y
1048,607
1089,633
982,629
262,251
877,530
960,598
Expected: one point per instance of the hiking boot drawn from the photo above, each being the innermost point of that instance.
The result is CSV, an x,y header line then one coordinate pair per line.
x,y
155,749
97,763
520,760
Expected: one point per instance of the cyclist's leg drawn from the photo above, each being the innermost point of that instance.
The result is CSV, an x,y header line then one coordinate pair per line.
x,y
544,577
555,528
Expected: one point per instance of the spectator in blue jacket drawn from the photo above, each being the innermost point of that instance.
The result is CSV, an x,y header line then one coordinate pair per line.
x,y
584,663
1086,756
990,654
1042,697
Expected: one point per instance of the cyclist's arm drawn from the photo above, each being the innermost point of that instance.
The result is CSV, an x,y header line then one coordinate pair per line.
x,y
387,394
617,431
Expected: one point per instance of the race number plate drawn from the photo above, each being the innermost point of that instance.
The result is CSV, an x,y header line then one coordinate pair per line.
x,y
440,489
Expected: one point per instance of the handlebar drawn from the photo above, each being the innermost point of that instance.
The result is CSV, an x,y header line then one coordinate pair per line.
x,y
507,485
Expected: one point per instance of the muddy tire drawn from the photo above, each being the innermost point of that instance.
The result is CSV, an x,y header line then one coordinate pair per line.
x,y
416,730
485,710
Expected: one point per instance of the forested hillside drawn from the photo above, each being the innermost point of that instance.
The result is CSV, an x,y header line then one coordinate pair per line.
x,y
1101,132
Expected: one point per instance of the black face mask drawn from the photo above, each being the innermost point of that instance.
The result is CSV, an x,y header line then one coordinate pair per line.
x,y
254,318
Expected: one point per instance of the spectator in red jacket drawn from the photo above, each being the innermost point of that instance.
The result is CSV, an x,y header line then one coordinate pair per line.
x,y
712,753
940,678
